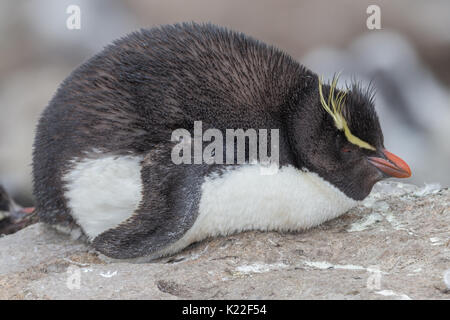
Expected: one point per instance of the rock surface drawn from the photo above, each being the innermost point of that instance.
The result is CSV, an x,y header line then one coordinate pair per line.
x,y
395,245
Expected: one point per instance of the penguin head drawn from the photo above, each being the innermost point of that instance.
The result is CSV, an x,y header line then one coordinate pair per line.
x,y
336,134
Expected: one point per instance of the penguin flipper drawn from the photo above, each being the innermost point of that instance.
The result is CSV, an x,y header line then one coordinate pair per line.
x,y
169,207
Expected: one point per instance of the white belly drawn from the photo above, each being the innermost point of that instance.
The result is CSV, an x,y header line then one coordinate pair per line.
x,y
103,192
244,199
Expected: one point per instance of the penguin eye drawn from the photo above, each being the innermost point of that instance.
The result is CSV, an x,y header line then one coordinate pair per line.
x,y
346,149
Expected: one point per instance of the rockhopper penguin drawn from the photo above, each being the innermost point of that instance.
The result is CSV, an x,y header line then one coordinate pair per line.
x,y
102,153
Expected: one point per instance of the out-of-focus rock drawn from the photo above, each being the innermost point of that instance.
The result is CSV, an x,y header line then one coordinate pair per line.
x,y
395,245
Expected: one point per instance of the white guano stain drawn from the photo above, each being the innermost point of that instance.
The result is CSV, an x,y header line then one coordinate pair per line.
x,y
108,274
364,224
390,293
327,265
260,267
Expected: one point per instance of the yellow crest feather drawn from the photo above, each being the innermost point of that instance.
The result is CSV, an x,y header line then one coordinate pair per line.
x,y
335,111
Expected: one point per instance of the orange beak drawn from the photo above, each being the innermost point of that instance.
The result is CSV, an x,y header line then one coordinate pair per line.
x,y
394,166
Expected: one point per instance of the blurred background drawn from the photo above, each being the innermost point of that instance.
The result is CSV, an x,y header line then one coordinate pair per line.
x,y
407,60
